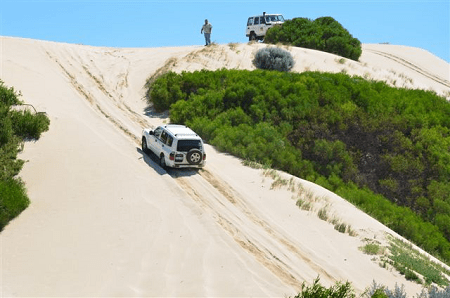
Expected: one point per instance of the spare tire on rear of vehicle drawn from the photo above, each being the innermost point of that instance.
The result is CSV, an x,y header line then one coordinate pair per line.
x,y
194,156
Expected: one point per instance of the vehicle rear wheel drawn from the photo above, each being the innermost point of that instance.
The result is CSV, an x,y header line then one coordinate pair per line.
x,y
194,156
162,161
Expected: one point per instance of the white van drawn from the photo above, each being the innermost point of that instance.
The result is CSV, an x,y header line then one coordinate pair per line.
x,y
176,146
257,26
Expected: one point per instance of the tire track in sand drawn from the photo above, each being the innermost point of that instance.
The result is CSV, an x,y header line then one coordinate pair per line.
x,y
217,197
93,101
268,246
233,196
411,66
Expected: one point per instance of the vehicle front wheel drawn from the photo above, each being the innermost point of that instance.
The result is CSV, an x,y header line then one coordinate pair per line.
x,y
252,37
144,145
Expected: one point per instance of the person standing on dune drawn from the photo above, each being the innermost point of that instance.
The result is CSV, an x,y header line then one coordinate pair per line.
x,y
206,29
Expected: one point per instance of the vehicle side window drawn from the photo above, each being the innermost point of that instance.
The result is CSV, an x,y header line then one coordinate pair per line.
x,y
169,141
257,21
163,137
250,22
158,132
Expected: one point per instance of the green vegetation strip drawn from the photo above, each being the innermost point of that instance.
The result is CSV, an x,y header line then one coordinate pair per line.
x,y
346,290
408,261
385,149
16,126
414,265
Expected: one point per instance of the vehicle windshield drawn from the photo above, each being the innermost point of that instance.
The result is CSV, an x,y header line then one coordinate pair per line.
x,y
186,145
274,18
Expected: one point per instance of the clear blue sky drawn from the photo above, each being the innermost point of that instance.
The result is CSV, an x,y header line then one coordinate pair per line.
x,y
147,23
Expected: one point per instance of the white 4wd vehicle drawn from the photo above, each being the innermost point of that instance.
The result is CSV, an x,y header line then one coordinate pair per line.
x,y
257,26
176,146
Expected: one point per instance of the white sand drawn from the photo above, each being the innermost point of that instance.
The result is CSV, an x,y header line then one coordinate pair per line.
x,y
106,220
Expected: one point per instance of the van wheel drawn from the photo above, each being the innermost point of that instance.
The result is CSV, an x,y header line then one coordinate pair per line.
x,y
162,161
252,37
194,156
144,145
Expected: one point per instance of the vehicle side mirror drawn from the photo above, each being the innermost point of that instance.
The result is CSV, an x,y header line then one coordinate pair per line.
x,y
152,132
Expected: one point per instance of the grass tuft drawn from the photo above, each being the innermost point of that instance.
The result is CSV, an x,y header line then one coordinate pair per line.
x,y
341,227
323,213
372,249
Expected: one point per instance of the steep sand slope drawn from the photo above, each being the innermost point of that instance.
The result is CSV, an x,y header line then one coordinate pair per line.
x,y
106,220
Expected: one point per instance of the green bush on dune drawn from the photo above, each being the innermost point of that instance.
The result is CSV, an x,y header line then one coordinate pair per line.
x,y
346,290
273,59
323,34
384,149
15,127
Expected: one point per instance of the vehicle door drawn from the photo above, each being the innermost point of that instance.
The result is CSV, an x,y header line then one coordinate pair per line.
x,y
155,142
259,26
265,24
249,26
166,143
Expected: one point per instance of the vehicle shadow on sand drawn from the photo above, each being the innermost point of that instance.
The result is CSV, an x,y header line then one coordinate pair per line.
x,y
153,161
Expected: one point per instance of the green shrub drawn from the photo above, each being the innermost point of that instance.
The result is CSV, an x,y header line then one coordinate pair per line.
x,y
13,200
384,149
15,127
379,291
323,34
8,96
273,59
409,262
344,290
29,125
435,292
316,290
372,249
411,275
164,91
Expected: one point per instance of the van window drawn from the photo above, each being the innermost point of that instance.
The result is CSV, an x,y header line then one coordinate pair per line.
x,y
250,22
163,137
158,132
169,141
257,21
186,145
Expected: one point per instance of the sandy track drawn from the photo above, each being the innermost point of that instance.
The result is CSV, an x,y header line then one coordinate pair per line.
x,y
227,207
106,220
210,193
413,67
250,230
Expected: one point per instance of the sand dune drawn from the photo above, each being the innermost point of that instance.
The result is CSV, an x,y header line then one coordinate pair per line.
x,y
105,220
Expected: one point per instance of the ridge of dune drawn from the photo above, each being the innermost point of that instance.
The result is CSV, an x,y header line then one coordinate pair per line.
x,y
106,220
